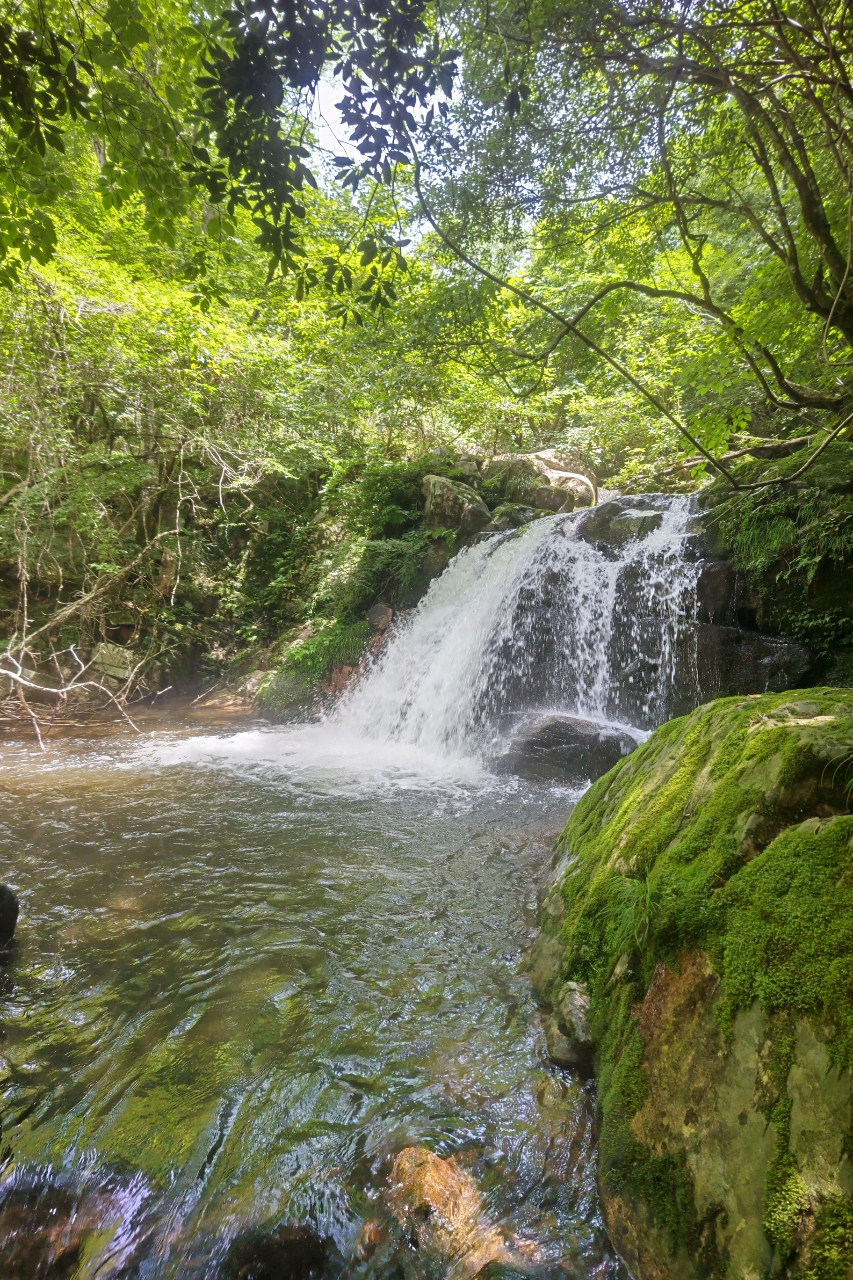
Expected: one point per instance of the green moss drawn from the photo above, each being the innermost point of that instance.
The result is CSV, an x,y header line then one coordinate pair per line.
x,y
831,1251
716,834
788,920
786,1200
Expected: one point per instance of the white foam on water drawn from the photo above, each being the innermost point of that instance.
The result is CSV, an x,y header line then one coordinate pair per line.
x,y
326,757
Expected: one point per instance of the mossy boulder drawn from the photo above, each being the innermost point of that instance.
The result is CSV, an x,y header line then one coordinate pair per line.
x,y
294,688
449,504
702,897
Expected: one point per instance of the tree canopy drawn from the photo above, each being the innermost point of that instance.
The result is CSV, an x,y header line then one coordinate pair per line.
x,y
688,164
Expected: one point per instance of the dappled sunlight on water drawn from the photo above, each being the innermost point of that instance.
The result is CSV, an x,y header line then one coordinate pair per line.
x,y
251,967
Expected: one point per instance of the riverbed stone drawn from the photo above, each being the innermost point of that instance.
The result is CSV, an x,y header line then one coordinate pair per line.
x,y
8,914
289,1252
441,1207
560,748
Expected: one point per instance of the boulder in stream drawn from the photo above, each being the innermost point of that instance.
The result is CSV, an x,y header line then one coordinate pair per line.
x,y
8,914
442,1206
701,897
558,748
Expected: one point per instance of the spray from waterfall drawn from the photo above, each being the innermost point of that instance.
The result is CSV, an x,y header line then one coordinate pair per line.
x,y
551,617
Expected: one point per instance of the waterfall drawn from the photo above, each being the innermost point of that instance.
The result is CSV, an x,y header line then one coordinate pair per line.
x,y
587,614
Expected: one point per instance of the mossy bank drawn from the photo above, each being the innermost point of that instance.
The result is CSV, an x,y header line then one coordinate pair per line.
x,y
701,897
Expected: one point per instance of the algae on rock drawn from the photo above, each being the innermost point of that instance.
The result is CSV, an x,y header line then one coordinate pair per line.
x,y
703,892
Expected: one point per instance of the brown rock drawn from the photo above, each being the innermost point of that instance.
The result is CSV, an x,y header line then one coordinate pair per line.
x,y
369,1239
442,1206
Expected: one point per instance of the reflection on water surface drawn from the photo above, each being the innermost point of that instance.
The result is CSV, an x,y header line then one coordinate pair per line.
x,y
250,969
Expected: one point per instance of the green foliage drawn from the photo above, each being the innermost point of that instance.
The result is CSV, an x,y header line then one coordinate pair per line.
x,y
633,906
390,569
342,642
385,498
285,449
793,529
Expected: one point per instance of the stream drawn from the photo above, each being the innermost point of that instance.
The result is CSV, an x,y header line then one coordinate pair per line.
x,y
256,962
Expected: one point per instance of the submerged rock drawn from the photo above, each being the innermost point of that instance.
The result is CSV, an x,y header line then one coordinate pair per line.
x,y
549,748
701,898
8,914
55,1227
285,1253
42,1231
441,1205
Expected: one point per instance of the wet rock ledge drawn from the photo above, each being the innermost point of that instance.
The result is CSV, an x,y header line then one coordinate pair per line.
x,y
697,943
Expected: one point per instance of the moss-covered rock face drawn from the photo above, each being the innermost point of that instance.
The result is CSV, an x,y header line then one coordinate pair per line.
x,y
793,542
294,689
703,892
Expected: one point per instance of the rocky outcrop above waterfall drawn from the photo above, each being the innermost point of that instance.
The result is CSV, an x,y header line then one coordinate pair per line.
x,y
789,543
701,900
556,748
449,504
548,480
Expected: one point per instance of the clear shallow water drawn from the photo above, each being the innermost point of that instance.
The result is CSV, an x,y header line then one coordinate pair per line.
x,y
252,967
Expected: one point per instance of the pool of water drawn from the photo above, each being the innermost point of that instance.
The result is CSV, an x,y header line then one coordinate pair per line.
x,y
253,964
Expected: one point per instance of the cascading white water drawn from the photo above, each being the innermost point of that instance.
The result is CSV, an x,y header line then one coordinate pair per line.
x,y
551,616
